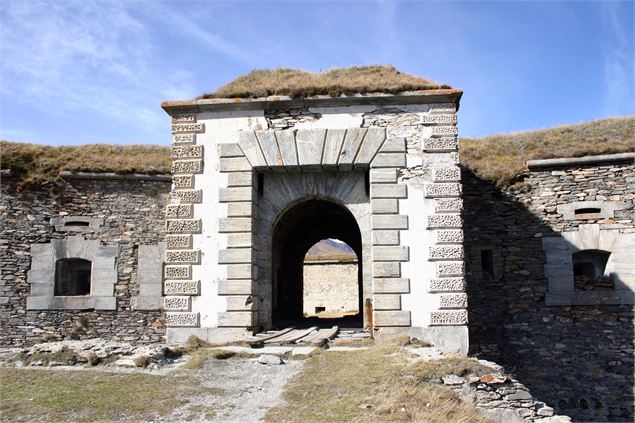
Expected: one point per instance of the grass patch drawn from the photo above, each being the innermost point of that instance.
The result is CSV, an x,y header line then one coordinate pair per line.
x,y
199,357
501,158
336,386
334,82
33,163
459,366
85,396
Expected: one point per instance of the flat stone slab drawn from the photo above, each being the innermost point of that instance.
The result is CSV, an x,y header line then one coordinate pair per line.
x,y
277,351
426,353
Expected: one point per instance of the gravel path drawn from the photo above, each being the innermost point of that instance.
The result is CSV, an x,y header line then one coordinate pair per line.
x,y
249,390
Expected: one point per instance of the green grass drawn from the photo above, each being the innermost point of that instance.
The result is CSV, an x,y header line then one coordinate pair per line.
x,y
335,386
90,396
334,82
501,158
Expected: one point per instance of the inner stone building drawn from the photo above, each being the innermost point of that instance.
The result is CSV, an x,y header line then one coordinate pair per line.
x,y
253,189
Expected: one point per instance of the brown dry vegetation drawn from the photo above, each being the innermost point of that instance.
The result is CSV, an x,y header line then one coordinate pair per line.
x,y
500,158
28,395
34,163
333,82
370,385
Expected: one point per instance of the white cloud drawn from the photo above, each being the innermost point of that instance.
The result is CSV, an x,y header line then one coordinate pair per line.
x,y
619,61
69,56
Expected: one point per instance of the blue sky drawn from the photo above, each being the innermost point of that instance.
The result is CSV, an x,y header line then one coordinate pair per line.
x,y
80,71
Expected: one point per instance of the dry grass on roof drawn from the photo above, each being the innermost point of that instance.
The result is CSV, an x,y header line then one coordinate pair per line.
x,y
501,158
334,82
33,163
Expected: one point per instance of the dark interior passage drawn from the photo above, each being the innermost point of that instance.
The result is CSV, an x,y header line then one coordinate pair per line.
x,y
297,230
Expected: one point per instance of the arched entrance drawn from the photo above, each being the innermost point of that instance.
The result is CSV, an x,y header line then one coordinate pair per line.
x,y
296,230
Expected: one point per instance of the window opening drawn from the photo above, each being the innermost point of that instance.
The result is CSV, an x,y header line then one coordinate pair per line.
x,y
487,263
72,277
76,223
587,213
589,268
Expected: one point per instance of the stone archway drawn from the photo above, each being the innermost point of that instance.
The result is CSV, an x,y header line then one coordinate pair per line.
x,y
296,230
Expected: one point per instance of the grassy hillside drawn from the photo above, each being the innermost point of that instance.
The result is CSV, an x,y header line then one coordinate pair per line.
x,y
499,158
334,82
33,163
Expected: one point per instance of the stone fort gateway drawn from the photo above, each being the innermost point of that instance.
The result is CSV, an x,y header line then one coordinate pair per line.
x,y
539,278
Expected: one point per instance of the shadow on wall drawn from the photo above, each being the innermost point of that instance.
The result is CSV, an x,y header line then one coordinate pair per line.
x,y
577,359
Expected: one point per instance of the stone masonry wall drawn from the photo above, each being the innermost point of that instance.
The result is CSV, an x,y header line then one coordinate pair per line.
x,y
132,214
579,359
332,285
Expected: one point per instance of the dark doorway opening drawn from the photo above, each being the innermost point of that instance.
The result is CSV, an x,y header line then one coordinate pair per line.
x,y
295,232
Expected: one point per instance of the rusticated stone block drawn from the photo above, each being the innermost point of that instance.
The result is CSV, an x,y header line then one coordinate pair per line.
x,y
391,318
444,131
183,181
230,150
182,288
440,144
391,285
450,268
452,173
241,319
241,271
191,226
178,272
244,209
234,224
383,176
184,118
394,145
386,269
388,191
184,139
389,237
187,127
240,179
237,287
239,239
449,317
235,255
175,242
181,319
448,205
178,211
234,164
439,119
176,303
446,252
444,221
187,166
241,303
389,160
391,253
449,236
385,205
453,300
386,301
447,285
389,221
189,195
443,190
236,194
187,152
182,256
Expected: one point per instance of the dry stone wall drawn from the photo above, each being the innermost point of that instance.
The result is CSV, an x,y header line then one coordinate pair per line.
x,y
578,358
126,217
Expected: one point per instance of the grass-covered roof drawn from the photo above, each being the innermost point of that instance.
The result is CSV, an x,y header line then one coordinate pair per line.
x,y
333,82
500,158
497,158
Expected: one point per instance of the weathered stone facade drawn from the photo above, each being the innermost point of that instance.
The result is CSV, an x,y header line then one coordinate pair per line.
x,y
120,231
577,357
330,287
389,162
